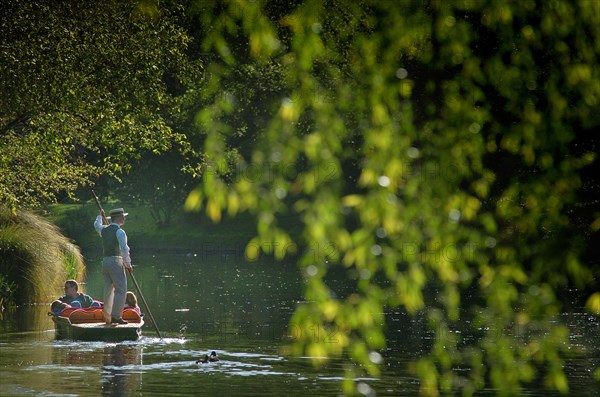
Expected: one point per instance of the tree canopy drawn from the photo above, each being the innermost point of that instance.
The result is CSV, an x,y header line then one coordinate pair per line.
x,y
432,150
86,87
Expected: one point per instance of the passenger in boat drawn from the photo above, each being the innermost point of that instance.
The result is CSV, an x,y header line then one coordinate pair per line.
x,y
57,307
75,298
116,260
131,302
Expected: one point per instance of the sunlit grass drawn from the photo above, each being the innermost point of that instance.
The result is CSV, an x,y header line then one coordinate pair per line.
x,y
36,258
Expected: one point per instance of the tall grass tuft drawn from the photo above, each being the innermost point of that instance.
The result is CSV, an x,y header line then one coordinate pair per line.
x,y
35,258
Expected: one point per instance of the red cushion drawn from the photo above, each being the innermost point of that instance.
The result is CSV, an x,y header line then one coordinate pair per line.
x,y
130,314
87,315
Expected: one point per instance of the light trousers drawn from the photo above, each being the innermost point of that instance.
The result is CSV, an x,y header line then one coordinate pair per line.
x,y
115,286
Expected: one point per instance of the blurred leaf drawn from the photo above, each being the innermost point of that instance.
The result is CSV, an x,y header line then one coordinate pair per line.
x,y
593,303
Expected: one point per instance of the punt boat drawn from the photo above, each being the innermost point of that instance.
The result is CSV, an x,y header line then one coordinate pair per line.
x,y
88,325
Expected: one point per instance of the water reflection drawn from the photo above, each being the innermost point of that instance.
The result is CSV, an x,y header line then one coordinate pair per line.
x,y
119,374
28,319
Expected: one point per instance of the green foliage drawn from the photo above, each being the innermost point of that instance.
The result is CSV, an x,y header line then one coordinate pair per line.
x,y
158,183
35,258
86,87
7,294
429,147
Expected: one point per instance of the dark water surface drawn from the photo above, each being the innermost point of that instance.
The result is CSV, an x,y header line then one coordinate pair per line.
x,y
240,310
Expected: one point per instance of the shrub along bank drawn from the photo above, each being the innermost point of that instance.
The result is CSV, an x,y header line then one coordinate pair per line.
x,y
35,258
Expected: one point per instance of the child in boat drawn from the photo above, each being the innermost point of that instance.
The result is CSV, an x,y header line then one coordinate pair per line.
x,y
57,307
131,301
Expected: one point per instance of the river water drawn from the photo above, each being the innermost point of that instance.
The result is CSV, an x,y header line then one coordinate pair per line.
x,y
240,310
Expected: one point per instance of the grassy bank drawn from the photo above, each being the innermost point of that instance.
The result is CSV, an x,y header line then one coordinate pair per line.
x,y
188,232
35,258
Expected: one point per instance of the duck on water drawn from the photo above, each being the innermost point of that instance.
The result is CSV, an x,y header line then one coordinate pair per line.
x,y
208,359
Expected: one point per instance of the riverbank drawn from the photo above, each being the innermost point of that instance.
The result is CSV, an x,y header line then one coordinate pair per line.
x,y
188,233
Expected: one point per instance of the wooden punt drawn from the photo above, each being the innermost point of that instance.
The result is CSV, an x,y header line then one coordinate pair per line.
x,y
97,331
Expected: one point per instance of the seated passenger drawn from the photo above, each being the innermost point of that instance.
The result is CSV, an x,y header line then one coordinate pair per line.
x,y
57,307
75,298
131,301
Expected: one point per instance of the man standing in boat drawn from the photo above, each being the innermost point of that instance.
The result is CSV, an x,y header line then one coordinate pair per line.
x,y
116,260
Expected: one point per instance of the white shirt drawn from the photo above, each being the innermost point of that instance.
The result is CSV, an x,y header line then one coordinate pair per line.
x,y
121,237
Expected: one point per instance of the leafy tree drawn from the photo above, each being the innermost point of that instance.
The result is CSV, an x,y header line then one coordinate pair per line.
x,y
423,147
157,182
86,86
